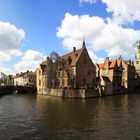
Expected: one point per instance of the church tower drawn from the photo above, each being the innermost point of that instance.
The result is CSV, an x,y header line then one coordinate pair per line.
x,y
137,58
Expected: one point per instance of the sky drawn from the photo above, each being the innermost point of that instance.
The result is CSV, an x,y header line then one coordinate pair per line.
x,y
31,29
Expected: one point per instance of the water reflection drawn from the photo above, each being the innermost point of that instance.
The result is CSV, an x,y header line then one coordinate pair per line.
x,y
43,117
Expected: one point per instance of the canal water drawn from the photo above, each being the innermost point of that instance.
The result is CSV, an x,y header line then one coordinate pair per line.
x,y
50,118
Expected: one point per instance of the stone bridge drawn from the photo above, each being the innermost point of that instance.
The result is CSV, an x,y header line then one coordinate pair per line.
x,y
18,89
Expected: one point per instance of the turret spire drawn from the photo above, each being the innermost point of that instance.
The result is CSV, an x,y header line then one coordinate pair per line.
x,y
84,44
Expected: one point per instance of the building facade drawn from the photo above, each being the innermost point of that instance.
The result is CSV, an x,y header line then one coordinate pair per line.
x,y
74,70
25,79
137,58
128,74
111,70
78,71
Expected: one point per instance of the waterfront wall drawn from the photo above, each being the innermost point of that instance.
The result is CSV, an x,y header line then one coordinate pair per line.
x,y
70,93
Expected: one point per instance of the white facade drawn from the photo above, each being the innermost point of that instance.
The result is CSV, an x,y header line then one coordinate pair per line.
x,y
137,58
18,81
24,79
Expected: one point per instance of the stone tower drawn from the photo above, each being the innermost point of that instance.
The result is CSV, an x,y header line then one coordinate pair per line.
x,y
137,58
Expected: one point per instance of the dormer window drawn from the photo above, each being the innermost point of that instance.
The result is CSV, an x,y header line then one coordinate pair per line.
x,y
69,59
76,55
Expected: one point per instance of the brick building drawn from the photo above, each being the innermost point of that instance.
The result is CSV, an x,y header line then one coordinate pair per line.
x,y
128,74
111,70
75,70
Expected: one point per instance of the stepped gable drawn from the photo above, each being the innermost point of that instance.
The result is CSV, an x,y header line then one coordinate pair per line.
x,y
112,63
101,66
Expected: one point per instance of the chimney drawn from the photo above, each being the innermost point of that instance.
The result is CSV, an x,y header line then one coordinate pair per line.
x,y
129,61
107,58
48,58
106,63
120,57
74,49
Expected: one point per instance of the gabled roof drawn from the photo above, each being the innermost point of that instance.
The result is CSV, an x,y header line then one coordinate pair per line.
x,y
112,63
119,62
74,56
101,66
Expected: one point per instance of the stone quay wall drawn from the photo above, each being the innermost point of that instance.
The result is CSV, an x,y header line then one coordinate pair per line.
x,y
70,93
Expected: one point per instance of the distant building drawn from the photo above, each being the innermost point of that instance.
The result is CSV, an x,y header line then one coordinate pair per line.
x,y
111,70
42,76
2,78
137,58
104,85
128,74
75,70
120,72
25,79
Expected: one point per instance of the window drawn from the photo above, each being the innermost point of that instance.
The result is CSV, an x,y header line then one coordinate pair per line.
x,y
84,81
89,72
76,54
137,62
39,82
85,61
72,72
93,82
39,72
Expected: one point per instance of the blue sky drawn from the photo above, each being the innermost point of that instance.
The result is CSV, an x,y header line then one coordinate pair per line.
x,y
44,31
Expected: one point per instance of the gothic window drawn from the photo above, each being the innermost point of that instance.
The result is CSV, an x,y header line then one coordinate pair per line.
x,y
89,72
84,81
85,61
39,72
39,82
93,82
63,82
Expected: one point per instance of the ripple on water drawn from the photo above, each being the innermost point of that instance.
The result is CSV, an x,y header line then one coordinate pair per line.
x,y
42,117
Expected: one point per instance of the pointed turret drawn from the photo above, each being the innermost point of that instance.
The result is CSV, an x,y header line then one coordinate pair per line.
x,y
84,44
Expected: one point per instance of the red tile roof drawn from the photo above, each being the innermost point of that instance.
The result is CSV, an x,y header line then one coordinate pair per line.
x,y
112,63
101,66
119,62
73,55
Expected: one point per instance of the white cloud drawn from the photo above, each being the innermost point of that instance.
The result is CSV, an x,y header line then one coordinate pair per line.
x,y
87,1
123,10
29,61
99,35
6,70
10,40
